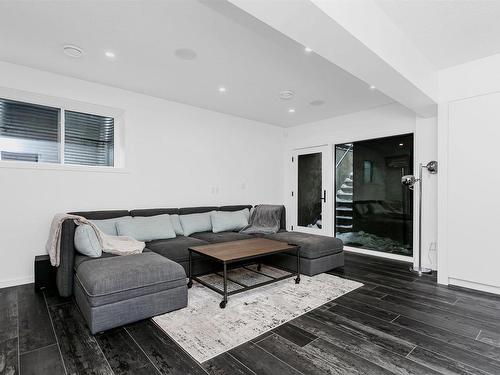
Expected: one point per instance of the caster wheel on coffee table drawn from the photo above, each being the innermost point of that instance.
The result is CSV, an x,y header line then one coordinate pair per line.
x,y
297,280
190,284
223,304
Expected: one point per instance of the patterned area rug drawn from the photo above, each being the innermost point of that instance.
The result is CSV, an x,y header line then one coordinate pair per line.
x,y
205,330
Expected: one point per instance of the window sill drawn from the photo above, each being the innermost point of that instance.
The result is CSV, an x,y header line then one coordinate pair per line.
x,y
61,167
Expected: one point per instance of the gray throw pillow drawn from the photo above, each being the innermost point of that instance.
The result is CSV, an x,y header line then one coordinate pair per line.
x,y
176,223
146,228
225,221
86,241
195,223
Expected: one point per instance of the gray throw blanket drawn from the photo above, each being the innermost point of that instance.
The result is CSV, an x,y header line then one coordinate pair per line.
x,y
118,245
265,219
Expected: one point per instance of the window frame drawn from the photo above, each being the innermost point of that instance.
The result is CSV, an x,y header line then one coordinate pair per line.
x,y
70,105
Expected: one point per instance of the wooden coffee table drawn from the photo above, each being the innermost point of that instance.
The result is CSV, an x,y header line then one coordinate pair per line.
x,y
237,251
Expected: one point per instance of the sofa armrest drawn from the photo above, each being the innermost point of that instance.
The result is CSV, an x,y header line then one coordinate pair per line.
x,y
64,278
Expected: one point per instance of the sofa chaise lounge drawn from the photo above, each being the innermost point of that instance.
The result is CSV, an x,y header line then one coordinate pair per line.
x,y
115,290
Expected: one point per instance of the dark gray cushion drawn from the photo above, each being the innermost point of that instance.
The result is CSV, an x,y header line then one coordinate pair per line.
x,y
112,279
154,211
312,246
221,237
101,215
237,207
196,210
176,248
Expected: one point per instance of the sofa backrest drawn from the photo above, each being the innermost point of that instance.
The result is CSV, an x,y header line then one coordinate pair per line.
x,y
65,272
154,211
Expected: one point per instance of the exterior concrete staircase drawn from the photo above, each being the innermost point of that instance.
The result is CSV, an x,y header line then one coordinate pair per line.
x,y
344,206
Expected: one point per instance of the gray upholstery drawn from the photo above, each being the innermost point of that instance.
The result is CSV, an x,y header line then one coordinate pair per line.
x,y
176,248
312,246
154,211
309,267
237,207
112,279
115,290
196,210
104,317
221,237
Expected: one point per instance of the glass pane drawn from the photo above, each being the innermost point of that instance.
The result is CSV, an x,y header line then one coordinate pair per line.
x,y
373,210
89,139
28,132
309,190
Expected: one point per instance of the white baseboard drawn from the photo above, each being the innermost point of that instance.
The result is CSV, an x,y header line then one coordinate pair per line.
x,y
379,254
17,281
476,286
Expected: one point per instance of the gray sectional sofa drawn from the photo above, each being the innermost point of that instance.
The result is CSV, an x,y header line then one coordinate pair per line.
x,y
116,290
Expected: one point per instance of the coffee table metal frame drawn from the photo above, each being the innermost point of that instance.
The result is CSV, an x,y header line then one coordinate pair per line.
x,y
225,293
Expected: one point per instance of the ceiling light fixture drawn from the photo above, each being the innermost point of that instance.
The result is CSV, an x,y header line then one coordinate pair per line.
x,y
291,110
72,51
286,94
308,49
222,89
110,54
185,54
317,102
372,87
401,144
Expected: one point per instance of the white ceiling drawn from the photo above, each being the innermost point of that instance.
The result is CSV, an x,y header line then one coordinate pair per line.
x,y
448,32
235,50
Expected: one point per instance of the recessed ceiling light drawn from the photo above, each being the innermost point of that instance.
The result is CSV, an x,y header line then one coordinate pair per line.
x,y
222,89
286,94
308,49
317,102
372,87
72,51
185,54
110,54
291,110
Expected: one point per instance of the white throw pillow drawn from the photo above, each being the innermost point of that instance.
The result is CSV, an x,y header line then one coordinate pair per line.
x,y
226,221
86,241
195,223
146,228
108,226
176,223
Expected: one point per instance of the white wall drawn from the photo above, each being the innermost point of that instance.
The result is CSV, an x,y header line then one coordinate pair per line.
x,y
383,121
176,155
469,118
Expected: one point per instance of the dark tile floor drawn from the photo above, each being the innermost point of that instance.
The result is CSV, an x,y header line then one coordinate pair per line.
x,y
396,324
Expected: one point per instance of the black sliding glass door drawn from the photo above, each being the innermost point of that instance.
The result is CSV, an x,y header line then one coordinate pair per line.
x,y
372,209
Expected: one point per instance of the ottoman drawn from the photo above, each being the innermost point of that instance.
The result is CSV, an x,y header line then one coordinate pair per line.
x,y
317,253
115,290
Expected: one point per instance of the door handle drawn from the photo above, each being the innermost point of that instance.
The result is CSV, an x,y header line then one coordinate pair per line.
x,y
324,196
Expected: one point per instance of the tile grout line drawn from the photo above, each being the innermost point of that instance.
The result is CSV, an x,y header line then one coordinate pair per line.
x,y
102,352
142,350
151,320
479,333
392,321
411,351
272,355
55,335
40,348
424,348
237,360
420,321
440,354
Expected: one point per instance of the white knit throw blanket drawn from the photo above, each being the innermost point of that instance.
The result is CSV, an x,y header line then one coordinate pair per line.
x,y
119,245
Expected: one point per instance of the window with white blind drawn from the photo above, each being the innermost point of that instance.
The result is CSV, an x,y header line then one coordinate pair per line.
x,y
43,134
